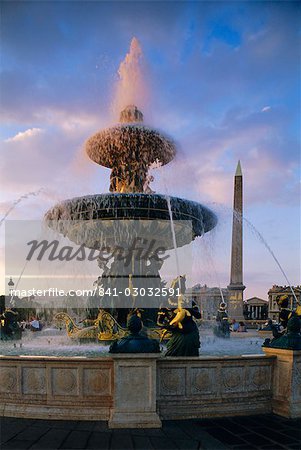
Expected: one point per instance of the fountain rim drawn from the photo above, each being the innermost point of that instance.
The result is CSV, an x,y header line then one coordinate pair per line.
x,y
189,215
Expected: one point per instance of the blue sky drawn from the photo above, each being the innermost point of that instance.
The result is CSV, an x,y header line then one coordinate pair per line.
x,y
223,78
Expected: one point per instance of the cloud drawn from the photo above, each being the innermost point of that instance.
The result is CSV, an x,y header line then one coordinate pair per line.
x,y
209,155
22,135
266,108
36,159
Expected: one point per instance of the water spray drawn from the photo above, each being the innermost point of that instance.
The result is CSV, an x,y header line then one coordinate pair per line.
x,y
257,233
19,200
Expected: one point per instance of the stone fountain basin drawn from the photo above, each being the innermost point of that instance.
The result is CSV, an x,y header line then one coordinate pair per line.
x,y
135,390
139,390
94,219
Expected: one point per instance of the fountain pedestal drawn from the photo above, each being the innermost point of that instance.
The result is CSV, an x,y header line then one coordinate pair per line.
x,y
235,304
135,391
286,386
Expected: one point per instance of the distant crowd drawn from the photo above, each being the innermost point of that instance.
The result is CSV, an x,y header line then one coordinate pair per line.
x,y
34,324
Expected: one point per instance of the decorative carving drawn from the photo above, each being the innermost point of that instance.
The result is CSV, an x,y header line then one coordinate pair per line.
x,y
64,381
8,377
232,379
203,380
33,380
259,377
172,381
97,382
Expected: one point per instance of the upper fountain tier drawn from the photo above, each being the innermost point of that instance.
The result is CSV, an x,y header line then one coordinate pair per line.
x,y
129,149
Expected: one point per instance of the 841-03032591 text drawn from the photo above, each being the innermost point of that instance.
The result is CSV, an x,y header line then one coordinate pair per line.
x,y
141,292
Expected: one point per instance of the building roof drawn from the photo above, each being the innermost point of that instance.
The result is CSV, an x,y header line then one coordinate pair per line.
x,y
204,289
286,289
256,301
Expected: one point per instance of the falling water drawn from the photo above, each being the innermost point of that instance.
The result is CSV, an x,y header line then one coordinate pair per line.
x,y
261,238
14,204
220,289
172,226
18,281
128,143
19,200
254,230
211,262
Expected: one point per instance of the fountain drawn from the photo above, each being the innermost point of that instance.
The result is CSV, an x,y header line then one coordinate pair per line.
x,y
138,390
128,213
129,150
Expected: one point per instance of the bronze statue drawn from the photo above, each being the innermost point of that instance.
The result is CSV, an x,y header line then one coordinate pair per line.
x,y
9,327
185,339
285,311
135,341
291,339
222,328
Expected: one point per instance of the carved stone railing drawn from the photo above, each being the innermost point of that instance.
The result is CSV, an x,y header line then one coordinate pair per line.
x,y
58,388
141,390
214,386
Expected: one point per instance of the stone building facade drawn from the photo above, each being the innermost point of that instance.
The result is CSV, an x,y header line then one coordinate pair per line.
x,y
277,291
208,299
256,308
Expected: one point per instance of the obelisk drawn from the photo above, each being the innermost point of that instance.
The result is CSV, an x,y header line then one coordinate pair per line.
x,y
236,286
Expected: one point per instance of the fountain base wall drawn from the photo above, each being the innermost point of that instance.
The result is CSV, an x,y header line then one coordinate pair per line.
x,y
214,387
133,391
286,400
56,388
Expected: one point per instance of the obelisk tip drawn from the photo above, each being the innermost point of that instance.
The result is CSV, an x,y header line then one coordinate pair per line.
x,y
238,172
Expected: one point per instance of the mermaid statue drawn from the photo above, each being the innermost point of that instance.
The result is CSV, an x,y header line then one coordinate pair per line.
x,y
180,323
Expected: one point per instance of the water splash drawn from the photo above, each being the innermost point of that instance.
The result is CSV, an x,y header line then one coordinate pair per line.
x,y
19,200
205,248
131,86
52,342
150,178
129,150
11,300
242,219
172,226
261,238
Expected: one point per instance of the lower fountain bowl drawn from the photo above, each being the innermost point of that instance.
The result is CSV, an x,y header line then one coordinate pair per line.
x,y
82,218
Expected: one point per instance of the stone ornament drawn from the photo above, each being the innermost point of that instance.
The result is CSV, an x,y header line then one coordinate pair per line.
x,y
97,382
33,380
8,377
64,381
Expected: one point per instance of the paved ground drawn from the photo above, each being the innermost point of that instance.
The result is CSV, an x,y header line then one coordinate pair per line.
x,y
240,433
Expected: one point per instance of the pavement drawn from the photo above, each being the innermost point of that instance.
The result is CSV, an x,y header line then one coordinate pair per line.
x,y
237,433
